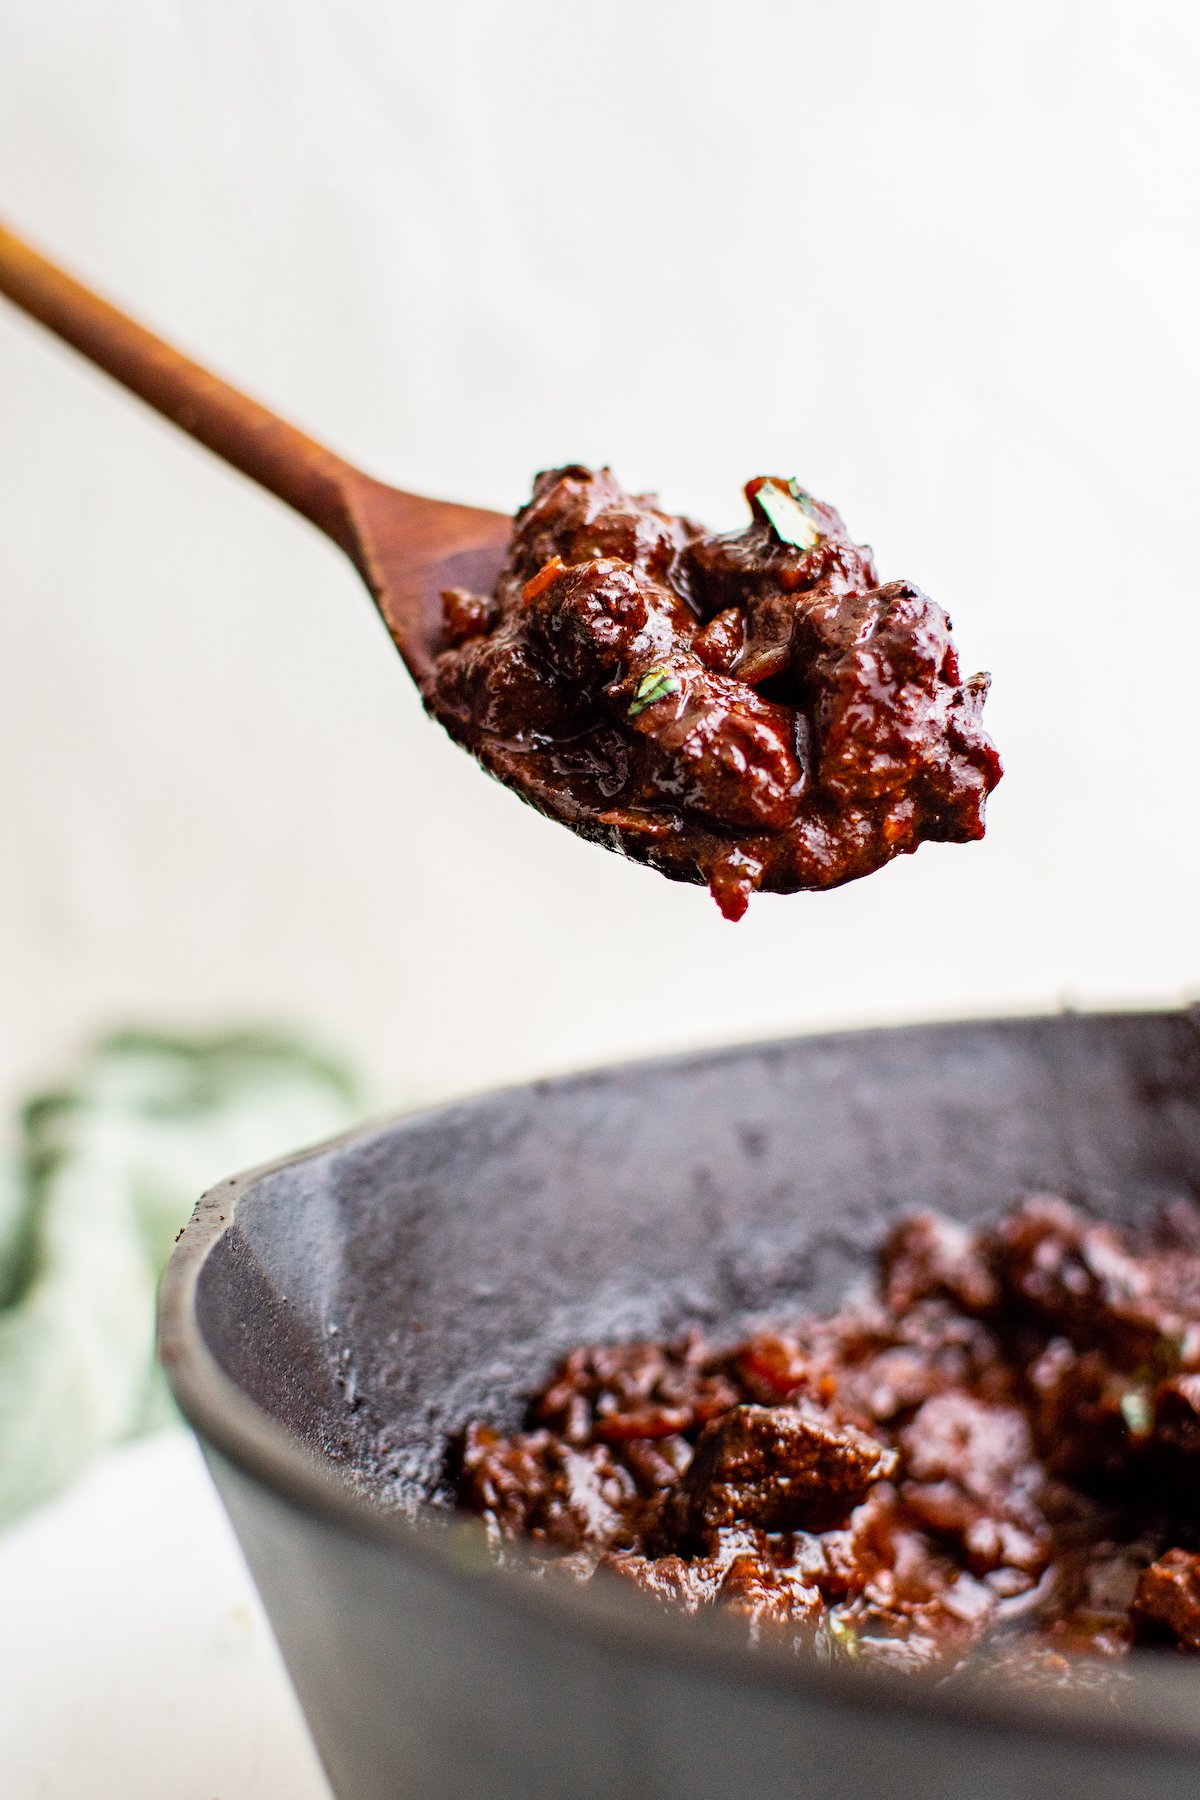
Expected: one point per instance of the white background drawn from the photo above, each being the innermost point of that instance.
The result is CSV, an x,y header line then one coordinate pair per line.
x,y
939,261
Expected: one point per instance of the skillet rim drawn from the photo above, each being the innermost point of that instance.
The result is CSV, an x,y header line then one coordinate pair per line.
x,y
613,1615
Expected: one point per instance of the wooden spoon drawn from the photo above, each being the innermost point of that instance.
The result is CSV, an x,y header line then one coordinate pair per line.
x,y
406,548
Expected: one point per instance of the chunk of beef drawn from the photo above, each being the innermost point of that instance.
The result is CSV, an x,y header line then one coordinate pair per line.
x,y
1088,1418
621,1392
687,1582
973,1450
535,1486
972,1477
1172,1417
777,1468
744,710
579,514
925,1257
1081,1279
1168,1596
912,1355
767,1595
773,1366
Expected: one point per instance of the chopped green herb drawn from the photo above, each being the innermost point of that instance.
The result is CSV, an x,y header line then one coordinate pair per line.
x,y
1137,1413
789,520
655,684
1165,1358
843,1633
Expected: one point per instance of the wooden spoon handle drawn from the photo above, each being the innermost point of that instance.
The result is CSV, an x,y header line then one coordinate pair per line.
x,y
234,427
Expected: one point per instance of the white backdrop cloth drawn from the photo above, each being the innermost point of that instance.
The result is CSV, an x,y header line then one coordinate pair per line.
x,y
940,262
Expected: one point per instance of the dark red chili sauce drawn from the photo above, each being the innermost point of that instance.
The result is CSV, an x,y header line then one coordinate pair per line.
x,y
991,1459
750,710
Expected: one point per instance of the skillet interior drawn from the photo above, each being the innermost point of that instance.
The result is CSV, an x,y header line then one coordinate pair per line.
x,y
376,1295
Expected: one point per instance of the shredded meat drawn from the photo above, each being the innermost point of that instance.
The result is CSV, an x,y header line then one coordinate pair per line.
x,y
751,711
990,1465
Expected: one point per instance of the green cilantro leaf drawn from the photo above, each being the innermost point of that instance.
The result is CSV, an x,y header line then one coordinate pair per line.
x,y
789,521
655,684
1137,1413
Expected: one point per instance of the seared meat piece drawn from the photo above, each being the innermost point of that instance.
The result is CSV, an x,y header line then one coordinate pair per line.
x,y
926,1257
619,1392
1172,1417
971,1477
774,1467
1168,1595
1003,1437
535,1486
689,1582
1081,1279
751,710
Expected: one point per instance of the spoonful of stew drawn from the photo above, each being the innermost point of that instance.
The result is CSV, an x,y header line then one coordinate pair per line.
x,y
750,710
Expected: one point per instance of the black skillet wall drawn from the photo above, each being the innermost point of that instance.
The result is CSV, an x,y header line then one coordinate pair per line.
x,y
429,1271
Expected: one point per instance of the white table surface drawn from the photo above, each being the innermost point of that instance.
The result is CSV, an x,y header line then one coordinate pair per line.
x,y
135,1660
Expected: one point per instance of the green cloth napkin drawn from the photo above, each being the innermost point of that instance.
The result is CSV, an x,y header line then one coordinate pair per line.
x,y
104,1174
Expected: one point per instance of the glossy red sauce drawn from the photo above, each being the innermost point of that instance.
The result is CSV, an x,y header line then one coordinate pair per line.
x,y
990,1461
751,710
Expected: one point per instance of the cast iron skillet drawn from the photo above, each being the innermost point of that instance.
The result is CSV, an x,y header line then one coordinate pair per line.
x,y
326,1321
